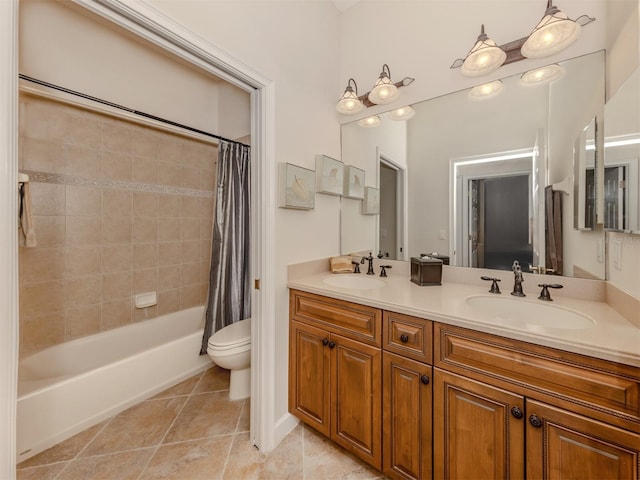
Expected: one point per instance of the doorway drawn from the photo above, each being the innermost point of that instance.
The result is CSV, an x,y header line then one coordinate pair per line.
x,y
392,219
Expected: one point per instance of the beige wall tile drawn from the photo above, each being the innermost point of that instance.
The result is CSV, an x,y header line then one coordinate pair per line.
x,y
169,149
141,314
206,228
83,161
145,255
81,260
42,119
145,170
168,301
208,179
116,286
117,166
145,229
41,331
168,174
205,270
189,229
145,281
205,251
83,291
83,200
50,230
115,314
37,298
189,206
145,142
170,253
189,274
205,208
169,277
190,296
190,252
43,156
169,205
82,321
84,128
117,230
41,264
169,229
116,258
190,177
48,199
145,204
84,230
116,136
204,292
117,203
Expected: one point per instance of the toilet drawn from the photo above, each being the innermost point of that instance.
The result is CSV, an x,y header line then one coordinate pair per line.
x,y
230,348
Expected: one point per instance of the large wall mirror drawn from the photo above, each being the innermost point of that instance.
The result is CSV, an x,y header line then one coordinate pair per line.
x,y
621,154
466,177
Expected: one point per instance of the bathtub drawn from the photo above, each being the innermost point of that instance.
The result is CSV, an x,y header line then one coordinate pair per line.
x,y
69,387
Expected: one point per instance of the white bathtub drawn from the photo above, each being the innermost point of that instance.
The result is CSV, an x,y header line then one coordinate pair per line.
x,y
69,387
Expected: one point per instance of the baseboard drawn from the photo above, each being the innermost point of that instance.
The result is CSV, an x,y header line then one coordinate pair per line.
x,y
284,426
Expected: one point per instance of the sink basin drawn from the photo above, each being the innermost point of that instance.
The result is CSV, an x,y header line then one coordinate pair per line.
x,y
354,282
530,314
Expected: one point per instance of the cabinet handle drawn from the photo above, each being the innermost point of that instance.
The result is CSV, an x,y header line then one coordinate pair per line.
x,y
517,413
325,341
332,344
404,338
425,379
535,421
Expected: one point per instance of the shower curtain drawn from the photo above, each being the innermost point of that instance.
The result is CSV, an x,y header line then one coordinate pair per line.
x,y
553,230
229,298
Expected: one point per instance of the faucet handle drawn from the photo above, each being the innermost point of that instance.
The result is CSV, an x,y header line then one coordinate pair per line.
x,y
356,268
544,294
383,271
494,285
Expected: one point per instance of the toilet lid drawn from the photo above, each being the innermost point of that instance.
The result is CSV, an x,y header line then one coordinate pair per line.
x,y
234,335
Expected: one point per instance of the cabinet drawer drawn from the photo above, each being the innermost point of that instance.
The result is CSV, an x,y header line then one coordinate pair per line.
x,y
610,390
351,320
407,336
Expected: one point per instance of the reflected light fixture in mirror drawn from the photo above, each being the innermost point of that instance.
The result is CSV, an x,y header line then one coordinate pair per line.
x,y
543,75
555,32
370,122
486,90
384,91
402,113
485,57
349,103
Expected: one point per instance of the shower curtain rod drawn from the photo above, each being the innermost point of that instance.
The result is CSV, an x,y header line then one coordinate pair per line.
x,y
127,109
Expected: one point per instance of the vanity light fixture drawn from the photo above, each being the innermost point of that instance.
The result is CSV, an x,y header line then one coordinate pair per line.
x,y
402,113
542,76
486,90
370,122
384,91
555,32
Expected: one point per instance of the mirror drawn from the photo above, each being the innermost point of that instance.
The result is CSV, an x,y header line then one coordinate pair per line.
x,y
458,165
621,154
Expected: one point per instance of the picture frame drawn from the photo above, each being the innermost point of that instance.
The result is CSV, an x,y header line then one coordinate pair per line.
x,y
353,182
371,201
297,187
329,175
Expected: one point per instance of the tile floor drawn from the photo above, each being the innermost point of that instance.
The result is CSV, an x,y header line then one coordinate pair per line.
x,y
191,431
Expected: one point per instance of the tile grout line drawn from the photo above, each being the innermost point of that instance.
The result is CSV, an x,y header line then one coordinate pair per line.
x,y
226,460
304,472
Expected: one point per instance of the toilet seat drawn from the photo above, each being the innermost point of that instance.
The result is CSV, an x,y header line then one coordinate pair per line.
x,y
232,336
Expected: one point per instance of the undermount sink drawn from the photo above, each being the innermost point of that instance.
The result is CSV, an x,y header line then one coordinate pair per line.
x,y
354,282
531,314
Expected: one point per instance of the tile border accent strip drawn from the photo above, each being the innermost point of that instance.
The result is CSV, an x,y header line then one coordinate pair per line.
x,y
60,179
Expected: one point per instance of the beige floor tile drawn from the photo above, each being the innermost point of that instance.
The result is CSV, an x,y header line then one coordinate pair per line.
x,y
286,461
205,415
325,460
245,460
65,450
183,388
142,425
244,421
45,472
213,380
195,460
120,466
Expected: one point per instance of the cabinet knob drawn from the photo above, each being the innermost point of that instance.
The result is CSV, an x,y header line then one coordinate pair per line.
x,y
325,341
404,338
425,379
535,421
517,413
332,344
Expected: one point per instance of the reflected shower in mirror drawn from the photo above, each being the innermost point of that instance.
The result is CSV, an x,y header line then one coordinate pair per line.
x,y
621,154
470,174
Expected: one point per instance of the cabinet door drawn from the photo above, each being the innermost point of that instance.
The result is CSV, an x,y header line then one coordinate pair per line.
x,y
478,430
356,382
406,417
563,445
309,370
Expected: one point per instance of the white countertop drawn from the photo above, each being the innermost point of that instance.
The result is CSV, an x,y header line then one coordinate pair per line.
x,y
611,338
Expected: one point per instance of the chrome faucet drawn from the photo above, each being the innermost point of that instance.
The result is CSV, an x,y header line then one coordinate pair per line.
x,y
517,285
370,260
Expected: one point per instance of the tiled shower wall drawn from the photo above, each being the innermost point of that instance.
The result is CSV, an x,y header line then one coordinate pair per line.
x,y
119,209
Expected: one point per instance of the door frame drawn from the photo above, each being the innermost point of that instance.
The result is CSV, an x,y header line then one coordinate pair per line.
x,y
153,26
402,189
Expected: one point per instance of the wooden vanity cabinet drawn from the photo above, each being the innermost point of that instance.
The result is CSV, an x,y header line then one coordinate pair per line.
x,y
335,372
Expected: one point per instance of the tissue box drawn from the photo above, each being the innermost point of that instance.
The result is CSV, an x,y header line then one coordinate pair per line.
x,y
426,271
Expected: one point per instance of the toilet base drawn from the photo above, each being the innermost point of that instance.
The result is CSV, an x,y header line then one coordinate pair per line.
x,y
240,384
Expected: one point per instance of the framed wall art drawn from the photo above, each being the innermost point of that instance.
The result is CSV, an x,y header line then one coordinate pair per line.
x,y
329,175
371,201
297,187
353,182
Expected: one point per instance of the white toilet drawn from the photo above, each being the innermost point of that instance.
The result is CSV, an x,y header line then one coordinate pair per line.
x,y
230,348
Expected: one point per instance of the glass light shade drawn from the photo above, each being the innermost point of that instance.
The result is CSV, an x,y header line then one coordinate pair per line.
x,y
554,33
369,122
349,103
486,90
541,76
402,113
384,91
485,57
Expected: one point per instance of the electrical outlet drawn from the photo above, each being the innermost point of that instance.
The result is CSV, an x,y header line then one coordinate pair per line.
x,y
442,235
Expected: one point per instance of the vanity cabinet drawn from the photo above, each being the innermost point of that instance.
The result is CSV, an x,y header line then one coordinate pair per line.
x,y
335,373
